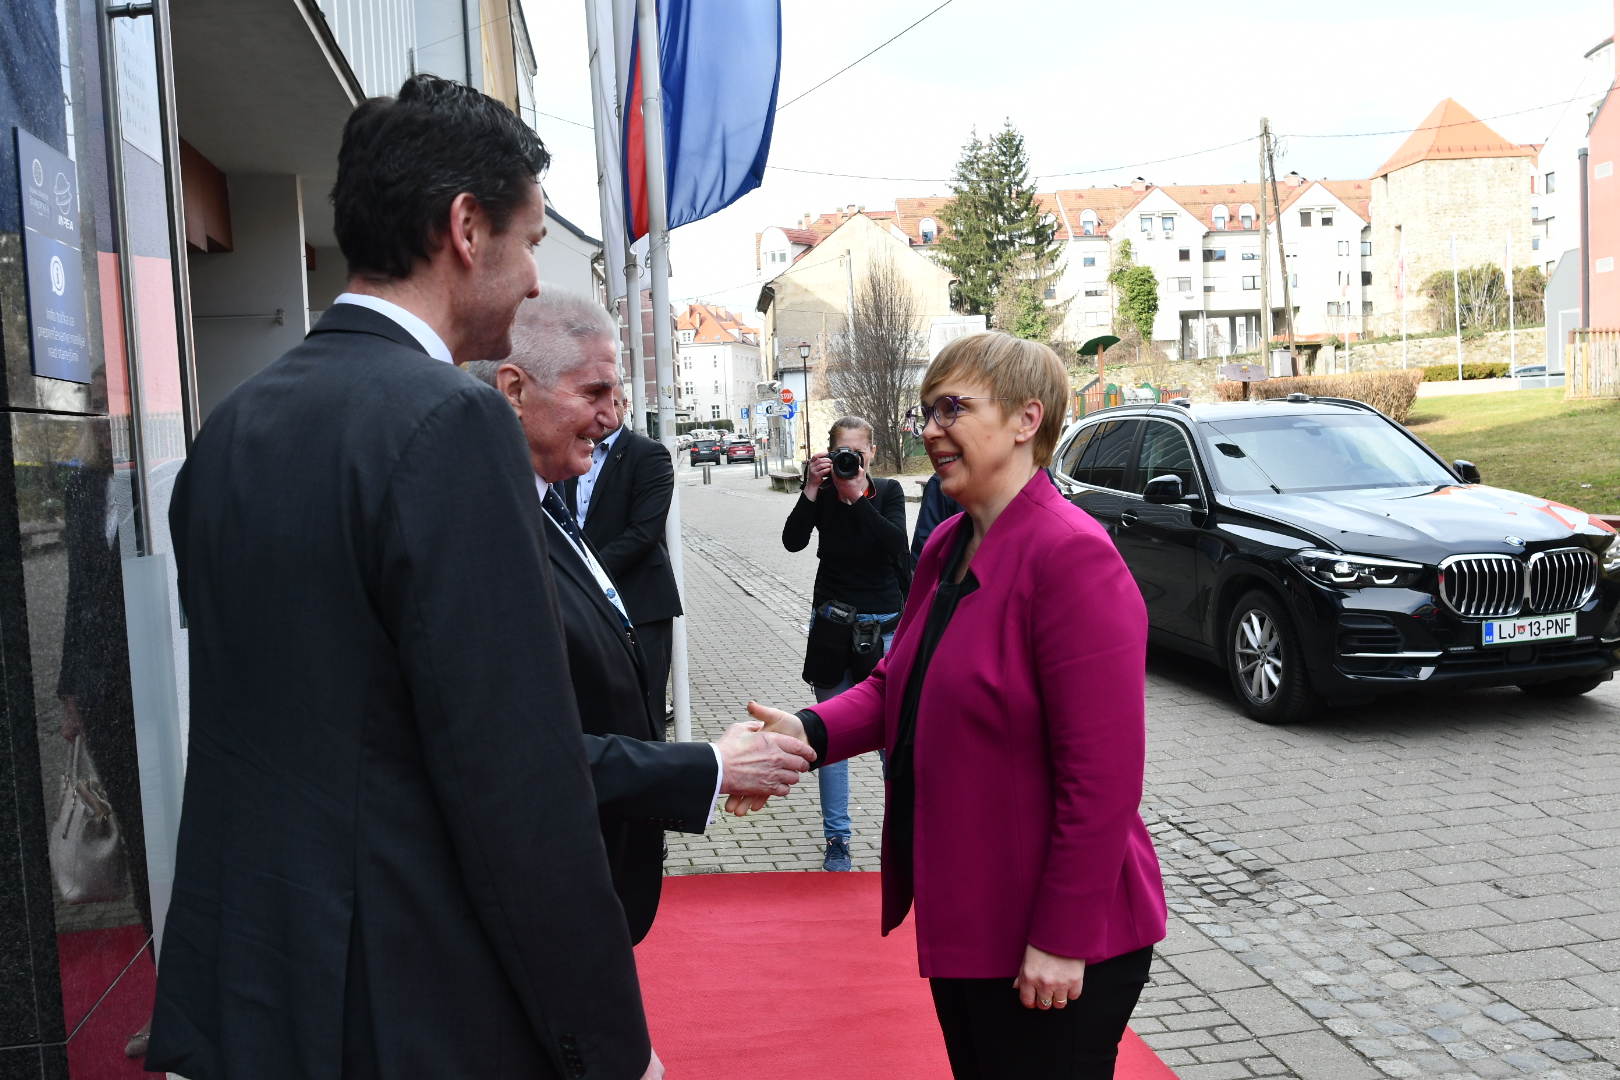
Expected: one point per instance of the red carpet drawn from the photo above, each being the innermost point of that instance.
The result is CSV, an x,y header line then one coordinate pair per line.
x,y
785,974
90,960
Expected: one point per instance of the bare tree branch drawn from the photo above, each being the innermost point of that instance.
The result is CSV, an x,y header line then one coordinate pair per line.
x,y
873,366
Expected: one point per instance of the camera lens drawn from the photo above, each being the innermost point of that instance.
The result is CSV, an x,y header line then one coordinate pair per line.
x,y
846,463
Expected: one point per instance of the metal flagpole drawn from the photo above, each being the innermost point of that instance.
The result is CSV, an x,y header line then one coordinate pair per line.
x,y
1401,284
652,126
1513,351
638,340
1456,305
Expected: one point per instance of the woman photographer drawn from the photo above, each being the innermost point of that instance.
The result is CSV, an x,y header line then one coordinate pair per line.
x,y
860,588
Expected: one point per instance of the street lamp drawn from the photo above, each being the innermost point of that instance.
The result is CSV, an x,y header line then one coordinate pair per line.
x,y
804,363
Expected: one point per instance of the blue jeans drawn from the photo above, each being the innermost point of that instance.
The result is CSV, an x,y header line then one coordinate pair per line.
x,y
834,779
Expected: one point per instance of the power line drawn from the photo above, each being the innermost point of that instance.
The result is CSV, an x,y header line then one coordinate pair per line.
x,y
1437,127
852,63
564,119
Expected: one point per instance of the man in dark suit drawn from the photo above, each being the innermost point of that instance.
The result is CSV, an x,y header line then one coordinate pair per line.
x,y
560,381
622,503
389,861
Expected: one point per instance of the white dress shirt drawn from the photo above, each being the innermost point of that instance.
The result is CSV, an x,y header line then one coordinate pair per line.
x,y
606,584
411,324
587,483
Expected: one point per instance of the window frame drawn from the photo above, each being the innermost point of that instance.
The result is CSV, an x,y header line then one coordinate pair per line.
x,y
1137,483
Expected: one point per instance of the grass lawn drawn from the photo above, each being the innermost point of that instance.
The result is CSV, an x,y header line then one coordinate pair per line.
x,y
1531,441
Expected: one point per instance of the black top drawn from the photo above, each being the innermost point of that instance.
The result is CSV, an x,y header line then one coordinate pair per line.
x,y
936,506
859,545
900,816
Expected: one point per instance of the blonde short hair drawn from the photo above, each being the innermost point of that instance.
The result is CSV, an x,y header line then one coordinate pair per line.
x,y
1015,370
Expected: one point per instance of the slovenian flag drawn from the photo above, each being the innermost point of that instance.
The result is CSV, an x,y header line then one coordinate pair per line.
x,y
720,61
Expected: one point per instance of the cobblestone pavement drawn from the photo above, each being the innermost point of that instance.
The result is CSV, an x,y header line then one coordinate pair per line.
x,y
1426,887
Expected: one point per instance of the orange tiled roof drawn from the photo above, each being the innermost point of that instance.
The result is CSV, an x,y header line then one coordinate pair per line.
x,y
715,324
1451,132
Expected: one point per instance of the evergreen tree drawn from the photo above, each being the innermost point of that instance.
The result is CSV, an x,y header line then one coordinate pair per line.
x,y
1137,290
993,225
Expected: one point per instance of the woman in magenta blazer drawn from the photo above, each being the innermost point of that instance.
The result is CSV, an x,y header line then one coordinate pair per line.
x,y
1011,706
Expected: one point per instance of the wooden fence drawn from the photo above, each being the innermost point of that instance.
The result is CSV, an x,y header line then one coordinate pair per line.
x,y
1592,364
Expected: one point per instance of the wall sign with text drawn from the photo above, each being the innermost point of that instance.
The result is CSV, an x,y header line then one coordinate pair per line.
x,y
49,188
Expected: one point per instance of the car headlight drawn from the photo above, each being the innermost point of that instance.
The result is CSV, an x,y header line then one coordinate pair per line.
x,y
1356,571
1611,557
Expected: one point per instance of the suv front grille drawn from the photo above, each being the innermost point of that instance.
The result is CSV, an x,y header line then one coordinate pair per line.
x,y
1562,580
1482,586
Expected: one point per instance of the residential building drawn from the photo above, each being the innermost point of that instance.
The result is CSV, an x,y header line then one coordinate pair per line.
x,y
716,366
193,244
807,301
1555,209
570,257
1453,179
1602,283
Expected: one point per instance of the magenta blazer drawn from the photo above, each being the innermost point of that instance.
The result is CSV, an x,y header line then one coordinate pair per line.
x,y
1030,747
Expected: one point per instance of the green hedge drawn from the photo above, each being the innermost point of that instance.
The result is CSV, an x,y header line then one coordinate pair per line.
x,y
1448,372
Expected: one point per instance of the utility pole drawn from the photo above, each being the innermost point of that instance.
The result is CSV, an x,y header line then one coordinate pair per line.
x,y
1282,257
1265,259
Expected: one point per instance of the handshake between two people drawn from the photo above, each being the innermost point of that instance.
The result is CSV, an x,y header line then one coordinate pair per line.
x,y
782,730
762,757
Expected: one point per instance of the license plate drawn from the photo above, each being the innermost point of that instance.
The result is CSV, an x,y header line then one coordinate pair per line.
x,y
1524,631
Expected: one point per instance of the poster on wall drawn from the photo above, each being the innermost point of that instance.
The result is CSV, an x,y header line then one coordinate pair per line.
x,y
49,192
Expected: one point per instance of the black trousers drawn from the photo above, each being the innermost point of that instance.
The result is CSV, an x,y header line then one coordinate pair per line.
x,y
989,1035
657,639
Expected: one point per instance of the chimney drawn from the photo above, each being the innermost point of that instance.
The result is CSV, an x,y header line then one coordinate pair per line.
x,y
1293,180
1139,184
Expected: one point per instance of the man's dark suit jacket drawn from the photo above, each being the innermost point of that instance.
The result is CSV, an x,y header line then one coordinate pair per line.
x,y
389,861
641,790
629,505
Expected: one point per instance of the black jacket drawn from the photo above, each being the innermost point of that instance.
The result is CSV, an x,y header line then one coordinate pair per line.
x,y
641,789
389,861
860,546
629,506
935,507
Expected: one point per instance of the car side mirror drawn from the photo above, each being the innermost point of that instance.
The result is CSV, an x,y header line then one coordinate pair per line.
x,y
1467,470
1167,489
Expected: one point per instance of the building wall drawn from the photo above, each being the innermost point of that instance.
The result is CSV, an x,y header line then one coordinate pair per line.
x,y
1603,209
564,259
1562,303
234,292
1480,201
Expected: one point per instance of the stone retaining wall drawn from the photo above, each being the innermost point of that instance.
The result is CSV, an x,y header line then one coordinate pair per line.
x,y
1200,376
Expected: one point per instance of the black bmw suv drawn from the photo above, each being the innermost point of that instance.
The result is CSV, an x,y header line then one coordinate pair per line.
x,y
1321,554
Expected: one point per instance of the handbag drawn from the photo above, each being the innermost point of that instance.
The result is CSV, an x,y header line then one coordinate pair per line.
x,y
85,860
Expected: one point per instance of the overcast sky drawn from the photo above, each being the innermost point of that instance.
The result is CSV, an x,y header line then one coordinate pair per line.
x,y
1097,89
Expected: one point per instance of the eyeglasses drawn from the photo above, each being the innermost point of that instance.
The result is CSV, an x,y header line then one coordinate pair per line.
x,y
944,411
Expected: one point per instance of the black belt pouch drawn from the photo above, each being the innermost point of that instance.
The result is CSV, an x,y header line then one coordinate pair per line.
x,y
830,650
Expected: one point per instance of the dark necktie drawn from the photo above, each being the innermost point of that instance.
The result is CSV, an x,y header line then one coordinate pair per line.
x,y
554,506
558,510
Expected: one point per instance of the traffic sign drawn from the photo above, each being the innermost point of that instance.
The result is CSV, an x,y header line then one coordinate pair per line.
x,y
789,411
745,412
766,408
787,396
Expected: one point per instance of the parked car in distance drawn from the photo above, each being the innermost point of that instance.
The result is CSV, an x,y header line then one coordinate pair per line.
x,y
739,450
1527,370
706,450
1322,554
683,442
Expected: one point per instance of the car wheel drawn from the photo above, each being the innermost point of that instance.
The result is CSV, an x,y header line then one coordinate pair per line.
x,y
1564,687
1266,663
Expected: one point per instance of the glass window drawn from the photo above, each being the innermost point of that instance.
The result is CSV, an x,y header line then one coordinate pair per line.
x,y
1164,452
1250,256
1327,217
1088,260
1366,248
714,412
1246,221
1069,460
1552,183
1185,255
1147,225
1333,308
1169,223
1327,452
1109,454
1366,277
1251,281
1214,254
1051,292
1366,307
1344,247
1304,219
